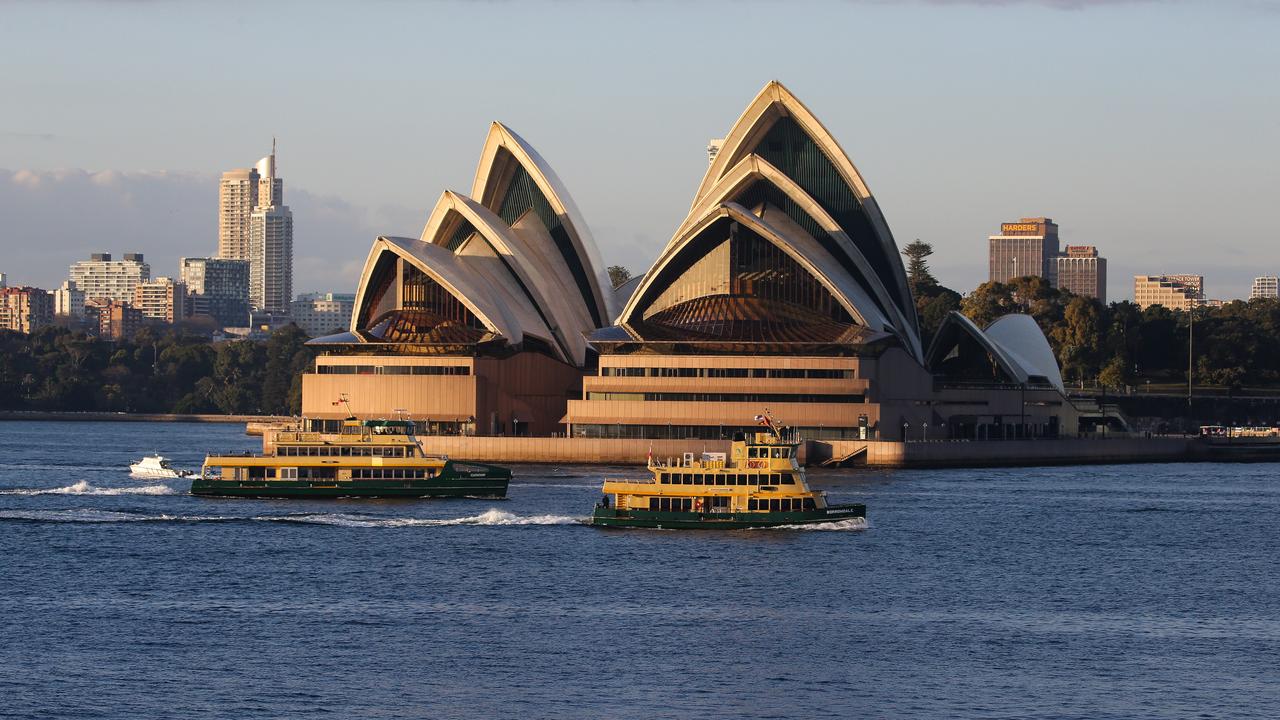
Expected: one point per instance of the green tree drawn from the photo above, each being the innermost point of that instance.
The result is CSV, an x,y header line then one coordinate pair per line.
x,y
618,275
919,278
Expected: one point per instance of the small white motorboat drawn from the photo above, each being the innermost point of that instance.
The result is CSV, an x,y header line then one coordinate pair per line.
x,y
156,467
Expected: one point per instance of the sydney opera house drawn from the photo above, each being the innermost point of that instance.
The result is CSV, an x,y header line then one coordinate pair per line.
x,y
782,288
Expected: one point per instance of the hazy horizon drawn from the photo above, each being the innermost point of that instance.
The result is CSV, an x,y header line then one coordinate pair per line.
x,y
1148,129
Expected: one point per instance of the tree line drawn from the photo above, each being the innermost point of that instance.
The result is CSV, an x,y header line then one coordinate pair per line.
x,y
158,370
1233,346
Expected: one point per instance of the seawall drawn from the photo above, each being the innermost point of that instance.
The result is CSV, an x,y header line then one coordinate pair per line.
x,y
252,422
815,452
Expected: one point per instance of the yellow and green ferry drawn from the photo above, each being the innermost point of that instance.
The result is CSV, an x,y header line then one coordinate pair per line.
x,y
760,484
366,459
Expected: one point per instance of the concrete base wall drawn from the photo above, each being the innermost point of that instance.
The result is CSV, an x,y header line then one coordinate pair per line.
x,y
878,454
1008,452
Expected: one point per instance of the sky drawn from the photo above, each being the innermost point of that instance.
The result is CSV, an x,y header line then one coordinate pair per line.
x,y
1150,129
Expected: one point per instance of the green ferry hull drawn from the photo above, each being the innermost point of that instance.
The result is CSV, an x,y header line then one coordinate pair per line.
x,y
489,487
609,517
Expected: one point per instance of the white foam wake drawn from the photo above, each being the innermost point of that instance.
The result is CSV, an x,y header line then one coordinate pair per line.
x,y
84,488
98,516
846,525
489,517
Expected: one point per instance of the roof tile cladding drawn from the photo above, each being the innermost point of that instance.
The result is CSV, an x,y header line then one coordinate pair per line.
x,y
778,136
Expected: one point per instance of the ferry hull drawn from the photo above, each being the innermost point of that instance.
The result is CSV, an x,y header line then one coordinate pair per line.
x,y
609,517
495,487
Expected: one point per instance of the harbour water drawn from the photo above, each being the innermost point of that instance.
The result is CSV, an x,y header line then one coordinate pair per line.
x,y
1136,591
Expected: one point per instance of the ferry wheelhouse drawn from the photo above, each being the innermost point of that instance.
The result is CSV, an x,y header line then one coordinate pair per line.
x,y
759,484
366,459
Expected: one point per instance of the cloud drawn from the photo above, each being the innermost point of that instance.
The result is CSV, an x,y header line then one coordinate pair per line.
x,y
55,217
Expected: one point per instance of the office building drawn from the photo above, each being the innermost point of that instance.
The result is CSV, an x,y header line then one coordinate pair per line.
x,y
320,314
4,281
1267,286
162,299
256,226
1081,271
222,287
1023,248
101,277
1176,292
25,309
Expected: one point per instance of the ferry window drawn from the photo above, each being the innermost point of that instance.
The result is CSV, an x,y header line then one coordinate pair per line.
x,y
788,479
786,453
776,452
271,473
664,504
751,452
257,473
699,479
289,473
808,504
686,478
775,479
775,504
346,452
653,504
686,504
753,504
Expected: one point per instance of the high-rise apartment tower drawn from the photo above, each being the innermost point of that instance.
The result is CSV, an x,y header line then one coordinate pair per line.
x,y
1267,286
256,226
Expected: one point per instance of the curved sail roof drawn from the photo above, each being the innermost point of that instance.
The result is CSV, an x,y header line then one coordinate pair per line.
x,y
781,130
513,180
1023,339
1014,342
517,256
700,280
781,173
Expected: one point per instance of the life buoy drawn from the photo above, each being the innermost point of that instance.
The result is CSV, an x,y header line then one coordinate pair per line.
x,y
697,505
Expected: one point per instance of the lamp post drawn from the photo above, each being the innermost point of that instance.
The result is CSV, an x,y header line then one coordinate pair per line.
x,y
925,432
904,431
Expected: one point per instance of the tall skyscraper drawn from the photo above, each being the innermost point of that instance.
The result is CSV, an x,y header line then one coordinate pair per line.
x,y
1082,272
1176,292
100,277
255,225
271,259
237,196
1024,248
1267,286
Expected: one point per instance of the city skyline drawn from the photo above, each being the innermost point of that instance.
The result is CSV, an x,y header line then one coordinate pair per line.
x,y
1127,145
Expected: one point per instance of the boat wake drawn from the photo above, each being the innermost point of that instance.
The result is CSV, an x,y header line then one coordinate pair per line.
x,y
847,525
99,516
84,488
489,517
